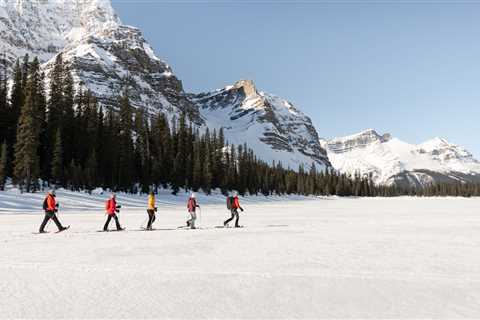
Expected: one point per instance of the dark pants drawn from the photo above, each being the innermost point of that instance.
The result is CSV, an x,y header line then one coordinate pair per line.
x,y
234,215
117,223
151,218
50,215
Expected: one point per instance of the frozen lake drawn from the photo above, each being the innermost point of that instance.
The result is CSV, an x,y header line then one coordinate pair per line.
x,y
310,258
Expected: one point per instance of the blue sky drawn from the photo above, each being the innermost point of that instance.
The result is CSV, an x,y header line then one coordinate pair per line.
x,y
411,68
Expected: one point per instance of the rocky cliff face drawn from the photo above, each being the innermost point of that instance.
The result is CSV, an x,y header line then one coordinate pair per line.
x,y
356,141
44,27
273,127
391,161
104,54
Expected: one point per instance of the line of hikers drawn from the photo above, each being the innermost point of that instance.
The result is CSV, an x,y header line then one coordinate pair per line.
x,y
50,206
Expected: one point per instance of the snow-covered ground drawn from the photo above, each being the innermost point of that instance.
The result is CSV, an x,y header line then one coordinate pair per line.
x,y
296,258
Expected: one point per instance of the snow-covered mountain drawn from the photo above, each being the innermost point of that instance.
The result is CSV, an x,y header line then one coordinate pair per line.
x,y
391,161
103,52
273,127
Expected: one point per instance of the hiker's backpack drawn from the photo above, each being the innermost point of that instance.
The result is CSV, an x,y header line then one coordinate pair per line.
x,y
229,203
45,204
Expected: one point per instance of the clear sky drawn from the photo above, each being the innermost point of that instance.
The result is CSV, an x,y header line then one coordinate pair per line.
x,y
410,68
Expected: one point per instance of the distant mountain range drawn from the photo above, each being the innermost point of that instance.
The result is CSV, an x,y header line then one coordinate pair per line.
x,y
391,161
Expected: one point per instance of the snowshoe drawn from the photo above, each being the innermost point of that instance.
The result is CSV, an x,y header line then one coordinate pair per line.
x,y
63,229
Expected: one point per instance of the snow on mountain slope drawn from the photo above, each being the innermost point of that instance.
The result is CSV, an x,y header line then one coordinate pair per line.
x,y
104,54
43,27
391,161
271,126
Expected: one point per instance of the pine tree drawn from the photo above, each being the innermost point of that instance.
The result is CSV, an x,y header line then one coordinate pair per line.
x,y
57,161
181,156
143,157
26,164
3,165
25,70
91,171
197,166
16,103
125,144
68,114
4,107
207,172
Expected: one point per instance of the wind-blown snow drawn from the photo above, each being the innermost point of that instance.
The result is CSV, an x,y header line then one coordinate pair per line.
x,y
316,258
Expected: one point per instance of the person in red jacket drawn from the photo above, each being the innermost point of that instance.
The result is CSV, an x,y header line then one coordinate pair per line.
x,y
51,207
192,206
234,206
112,209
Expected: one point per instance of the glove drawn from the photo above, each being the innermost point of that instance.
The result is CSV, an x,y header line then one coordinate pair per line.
x,y
57,205
118,207
117,211
241,209
155,209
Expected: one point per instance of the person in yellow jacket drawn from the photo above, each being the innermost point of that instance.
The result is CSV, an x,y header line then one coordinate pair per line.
x,y
151,209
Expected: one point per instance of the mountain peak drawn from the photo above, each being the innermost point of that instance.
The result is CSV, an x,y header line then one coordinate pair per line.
x,y
435,144
43,28
358,140
248,87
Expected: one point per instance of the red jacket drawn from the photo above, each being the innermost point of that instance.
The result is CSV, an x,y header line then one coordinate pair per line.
x,y
236,203
111,206
192,204
51,203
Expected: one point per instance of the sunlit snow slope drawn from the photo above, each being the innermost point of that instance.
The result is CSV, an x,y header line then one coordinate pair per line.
x,y
272,126
105,55
391,161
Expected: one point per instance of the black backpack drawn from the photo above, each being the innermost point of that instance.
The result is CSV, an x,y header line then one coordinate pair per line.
x,y
45,204
229,203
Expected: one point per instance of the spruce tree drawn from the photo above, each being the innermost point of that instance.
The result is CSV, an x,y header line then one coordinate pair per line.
x,y
55,99
207,172
68,114
91,171
197,166
3,165
57,160
4,107
26,164
125,144
16,103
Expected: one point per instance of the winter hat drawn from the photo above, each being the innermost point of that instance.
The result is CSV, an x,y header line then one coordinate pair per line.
x,y
192,195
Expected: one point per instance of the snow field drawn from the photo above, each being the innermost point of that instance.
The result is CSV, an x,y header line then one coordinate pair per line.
x,y
296,258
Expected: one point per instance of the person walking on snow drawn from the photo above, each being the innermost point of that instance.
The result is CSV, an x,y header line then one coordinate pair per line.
x,y
111,210
234,206
192,206
151,209
51,207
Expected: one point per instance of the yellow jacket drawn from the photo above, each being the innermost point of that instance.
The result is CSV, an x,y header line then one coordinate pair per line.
x,y
151,202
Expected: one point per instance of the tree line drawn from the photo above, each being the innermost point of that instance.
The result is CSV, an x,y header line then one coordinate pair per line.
x,y
66,139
